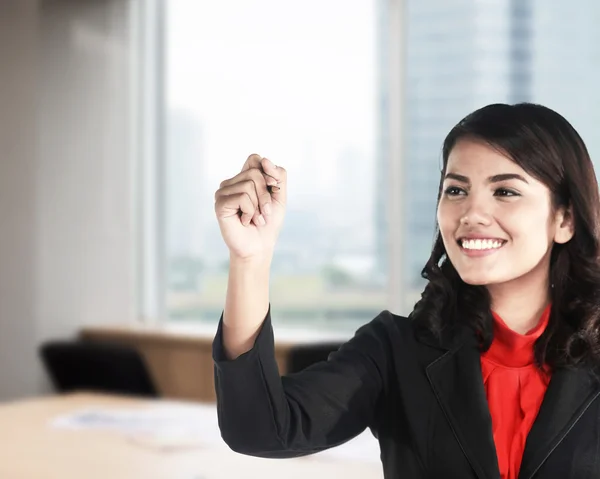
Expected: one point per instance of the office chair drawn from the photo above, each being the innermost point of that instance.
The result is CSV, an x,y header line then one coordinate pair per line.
x,y
96,366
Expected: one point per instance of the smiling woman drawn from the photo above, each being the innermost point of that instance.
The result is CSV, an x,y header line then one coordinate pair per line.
x,y
517,184
495,374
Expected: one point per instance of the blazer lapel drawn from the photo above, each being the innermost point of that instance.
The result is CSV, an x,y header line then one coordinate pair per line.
x,y
569,394
456,378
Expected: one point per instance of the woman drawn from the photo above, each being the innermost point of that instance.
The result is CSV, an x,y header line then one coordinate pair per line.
x,y
494,374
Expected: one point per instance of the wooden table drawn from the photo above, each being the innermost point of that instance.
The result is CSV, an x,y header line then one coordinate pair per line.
x,y
31,447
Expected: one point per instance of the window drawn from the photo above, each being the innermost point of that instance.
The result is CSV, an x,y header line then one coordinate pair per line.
x,y
297,83
311,86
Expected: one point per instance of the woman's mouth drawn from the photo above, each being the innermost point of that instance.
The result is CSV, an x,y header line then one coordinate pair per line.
x,y
480,246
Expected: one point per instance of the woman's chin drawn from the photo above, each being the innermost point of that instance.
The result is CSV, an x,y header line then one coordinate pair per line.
x,y
478,279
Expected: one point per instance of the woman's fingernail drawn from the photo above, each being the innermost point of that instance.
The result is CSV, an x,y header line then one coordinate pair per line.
x,y
267,208
275,189
261,220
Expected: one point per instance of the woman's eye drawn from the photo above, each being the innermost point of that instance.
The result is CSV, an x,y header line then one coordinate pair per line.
x,y
453,191
505,192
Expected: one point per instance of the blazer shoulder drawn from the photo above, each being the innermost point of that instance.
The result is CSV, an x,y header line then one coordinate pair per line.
x,y
389,320
397,322
389,329
399,329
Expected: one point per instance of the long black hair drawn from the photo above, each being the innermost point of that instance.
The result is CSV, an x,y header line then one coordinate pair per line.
x,y
548,148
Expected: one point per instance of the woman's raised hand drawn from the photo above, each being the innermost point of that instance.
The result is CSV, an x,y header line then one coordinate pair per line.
x,y
250,208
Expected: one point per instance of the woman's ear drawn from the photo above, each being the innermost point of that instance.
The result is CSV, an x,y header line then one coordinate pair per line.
x,y
565,225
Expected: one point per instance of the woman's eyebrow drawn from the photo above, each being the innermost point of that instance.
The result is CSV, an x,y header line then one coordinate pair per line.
x,y
491,179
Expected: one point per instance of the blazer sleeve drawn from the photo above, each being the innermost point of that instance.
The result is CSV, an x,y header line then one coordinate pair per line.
x,y
264,414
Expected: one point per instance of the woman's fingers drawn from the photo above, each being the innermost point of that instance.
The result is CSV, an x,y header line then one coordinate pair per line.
x,y
253,183
262,181
237,204
257,161
253,161
278,180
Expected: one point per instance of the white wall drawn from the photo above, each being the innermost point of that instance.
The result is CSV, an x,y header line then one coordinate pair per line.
x,y
67,249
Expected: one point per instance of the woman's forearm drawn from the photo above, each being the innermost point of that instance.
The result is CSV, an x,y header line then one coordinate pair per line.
x,y
246,304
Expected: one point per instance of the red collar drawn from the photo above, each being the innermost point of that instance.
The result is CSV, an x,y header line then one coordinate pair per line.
x,y
511,349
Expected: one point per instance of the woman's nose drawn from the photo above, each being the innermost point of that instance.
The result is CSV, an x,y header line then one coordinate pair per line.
x,y
476,213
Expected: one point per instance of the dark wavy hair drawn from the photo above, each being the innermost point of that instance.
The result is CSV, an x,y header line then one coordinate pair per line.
x,y
547,147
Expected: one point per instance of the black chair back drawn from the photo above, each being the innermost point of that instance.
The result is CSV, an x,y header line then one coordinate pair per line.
x,y
97,366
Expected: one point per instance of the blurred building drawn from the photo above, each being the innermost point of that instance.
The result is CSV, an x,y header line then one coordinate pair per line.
x,y
566,64
459,56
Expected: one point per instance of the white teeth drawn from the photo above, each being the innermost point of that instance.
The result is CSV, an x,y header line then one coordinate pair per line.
x,y
481,244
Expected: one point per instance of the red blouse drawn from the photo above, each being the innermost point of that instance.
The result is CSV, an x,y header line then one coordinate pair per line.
x,y
514,388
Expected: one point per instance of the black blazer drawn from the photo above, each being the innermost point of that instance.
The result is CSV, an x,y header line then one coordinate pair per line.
x,y
422,398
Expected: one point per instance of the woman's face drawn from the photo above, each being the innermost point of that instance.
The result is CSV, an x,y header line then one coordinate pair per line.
x,y
496,221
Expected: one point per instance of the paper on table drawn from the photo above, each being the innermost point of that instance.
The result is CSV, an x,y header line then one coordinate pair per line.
x,y
164,426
